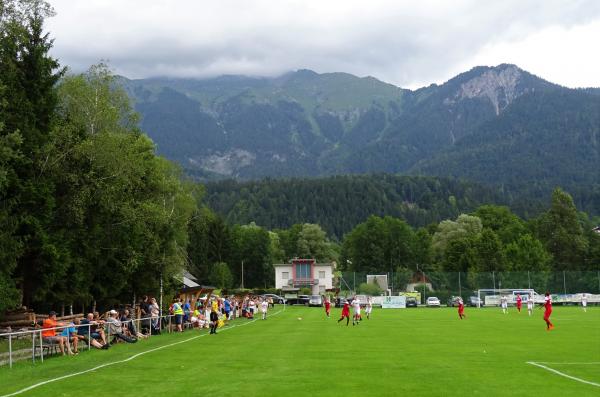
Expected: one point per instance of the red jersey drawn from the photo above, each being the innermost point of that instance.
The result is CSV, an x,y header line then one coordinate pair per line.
x,y
327,305
461,307
346,309
548,303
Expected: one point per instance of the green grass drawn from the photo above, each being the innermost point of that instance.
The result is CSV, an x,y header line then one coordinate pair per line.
x,y
419,352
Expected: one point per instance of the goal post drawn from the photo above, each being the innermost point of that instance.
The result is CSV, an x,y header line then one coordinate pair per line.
x,y
491,297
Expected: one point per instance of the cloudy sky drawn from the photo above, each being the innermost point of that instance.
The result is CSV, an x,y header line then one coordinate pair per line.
x,y
407,43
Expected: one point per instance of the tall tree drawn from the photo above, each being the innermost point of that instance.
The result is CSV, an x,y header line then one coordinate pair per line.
x,y
562,234
29,75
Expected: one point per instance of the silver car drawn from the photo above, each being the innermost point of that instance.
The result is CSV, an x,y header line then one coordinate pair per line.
x,y
432,301
315,300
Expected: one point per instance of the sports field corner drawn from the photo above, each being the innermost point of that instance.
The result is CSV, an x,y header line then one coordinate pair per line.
x,y
298,351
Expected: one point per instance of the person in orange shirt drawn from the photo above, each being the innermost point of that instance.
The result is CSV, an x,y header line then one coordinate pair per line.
x,y
50,336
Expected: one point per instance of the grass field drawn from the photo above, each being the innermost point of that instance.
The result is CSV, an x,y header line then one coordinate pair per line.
x,y
419,352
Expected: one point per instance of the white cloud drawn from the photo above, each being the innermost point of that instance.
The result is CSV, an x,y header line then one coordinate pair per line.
x,y
409,43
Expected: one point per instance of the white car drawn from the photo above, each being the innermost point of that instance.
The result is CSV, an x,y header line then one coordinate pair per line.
x,y
432,301
315,300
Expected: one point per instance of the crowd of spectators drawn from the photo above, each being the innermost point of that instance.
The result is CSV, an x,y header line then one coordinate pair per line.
x,y
102,331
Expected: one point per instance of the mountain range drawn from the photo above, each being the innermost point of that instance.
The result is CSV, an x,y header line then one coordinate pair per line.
x,y
500,126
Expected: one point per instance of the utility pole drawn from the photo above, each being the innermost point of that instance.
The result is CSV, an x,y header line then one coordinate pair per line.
x,y
242,274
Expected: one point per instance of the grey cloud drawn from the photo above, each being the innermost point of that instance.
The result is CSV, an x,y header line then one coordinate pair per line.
x,y
405,43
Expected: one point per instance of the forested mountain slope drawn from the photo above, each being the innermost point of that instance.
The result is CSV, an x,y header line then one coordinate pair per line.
x,y
500,126
339,203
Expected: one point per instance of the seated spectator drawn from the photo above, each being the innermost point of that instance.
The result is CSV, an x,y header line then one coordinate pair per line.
x,y
198,320
91,332
115,328
71,334
50,335
129,326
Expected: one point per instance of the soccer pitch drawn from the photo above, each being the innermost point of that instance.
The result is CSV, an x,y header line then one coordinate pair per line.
x,y
297,351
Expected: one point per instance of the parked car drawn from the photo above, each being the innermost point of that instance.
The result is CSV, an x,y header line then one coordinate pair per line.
x,y
453,301
303,300
276,298
315,300
432,301
475,302
411,301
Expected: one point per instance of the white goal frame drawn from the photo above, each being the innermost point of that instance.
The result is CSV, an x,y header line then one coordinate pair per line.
x,y
504,291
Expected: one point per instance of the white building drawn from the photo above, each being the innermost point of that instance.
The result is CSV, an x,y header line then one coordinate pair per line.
x,y
302,273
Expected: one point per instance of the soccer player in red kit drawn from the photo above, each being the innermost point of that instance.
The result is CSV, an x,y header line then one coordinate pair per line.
x,y
345,312
519,303
327,306
461,309
548,311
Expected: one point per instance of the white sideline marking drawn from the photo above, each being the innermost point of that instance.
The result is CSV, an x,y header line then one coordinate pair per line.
x,y
537,364
125,360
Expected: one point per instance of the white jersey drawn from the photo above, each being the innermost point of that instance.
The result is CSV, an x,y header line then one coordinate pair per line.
x,y
356,305
530,302
369,307
264,306
584,300
504,302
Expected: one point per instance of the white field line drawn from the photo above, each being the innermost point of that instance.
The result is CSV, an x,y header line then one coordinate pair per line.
x,y
127,359
537,364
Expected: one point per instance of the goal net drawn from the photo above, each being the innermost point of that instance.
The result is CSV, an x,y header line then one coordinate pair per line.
x,y
491,297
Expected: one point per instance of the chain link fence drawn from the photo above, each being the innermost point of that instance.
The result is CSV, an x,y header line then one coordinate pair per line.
x,y
446,284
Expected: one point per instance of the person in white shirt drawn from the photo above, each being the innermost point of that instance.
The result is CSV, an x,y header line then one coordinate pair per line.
x,y
584,302
504,304
530,304
251,307
356,317
369,307
264,305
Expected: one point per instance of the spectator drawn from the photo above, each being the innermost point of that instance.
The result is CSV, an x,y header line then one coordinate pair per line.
x,y
145,313
115,328
251,308
92,333
71,334
187,309
214,321
154,314
49,335
177,310
129,326
226,308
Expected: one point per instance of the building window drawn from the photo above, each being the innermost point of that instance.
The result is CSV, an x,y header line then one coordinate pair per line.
x,y
321,289
321,274
285,275
303,271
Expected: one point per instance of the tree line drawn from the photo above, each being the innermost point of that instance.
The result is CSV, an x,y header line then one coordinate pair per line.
x,y
88,211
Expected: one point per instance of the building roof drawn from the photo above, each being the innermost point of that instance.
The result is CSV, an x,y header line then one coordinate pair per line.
x,y
290,264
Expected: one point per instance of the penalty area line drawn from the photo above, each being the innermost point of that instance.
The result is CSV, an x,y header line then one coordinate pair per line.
x,y
537,364
124,360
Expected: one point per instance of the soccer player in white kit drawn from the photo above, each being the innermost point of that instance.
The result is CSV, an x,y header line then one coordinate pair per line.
x,y
504,304
356,306
584,302
369,307
264,306
530,304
